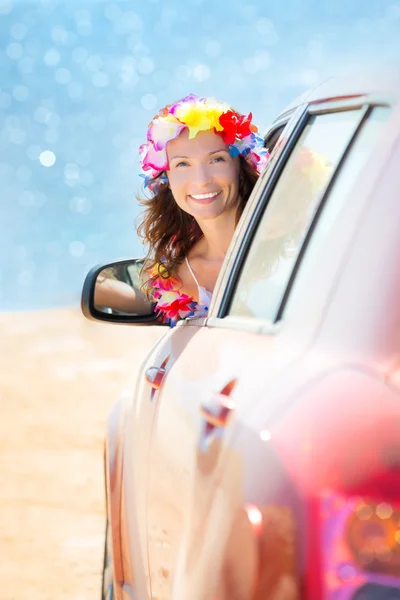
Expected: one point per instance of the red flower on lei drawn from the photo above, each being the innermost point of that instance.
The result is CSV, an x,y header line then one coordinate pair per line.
x,y
173,306
235,126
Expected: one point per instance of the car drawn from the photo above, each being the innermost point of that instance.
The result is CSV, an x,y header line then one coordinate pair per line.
x,y
259,456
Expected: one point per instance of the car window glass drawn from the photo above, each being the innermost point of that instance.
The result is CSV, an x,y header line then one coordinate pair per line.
x,y
289,213
355,161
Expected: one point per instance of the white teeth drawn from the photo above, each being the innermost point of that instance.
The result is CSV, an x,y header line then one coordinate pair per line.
x,y
204,196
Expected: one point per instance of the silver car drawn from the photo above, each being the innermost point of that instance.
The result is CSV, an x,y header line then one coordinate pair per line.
x,y
259,457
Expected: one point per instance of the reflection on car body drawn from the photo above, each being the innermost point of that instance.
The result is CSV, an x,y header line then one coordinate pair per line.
x,y
259,457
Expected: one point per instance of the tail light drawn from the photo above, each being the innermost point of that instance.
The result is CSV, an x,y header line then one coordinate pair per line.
x,y
330,529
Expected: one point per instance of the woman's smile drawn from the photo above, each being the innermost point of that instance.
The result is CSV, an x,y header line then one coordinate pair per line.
x,y
204,198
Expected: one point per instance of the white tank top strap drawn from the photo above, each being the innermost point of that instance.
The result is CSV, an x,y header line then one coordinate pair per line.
x,y
204,295
191,271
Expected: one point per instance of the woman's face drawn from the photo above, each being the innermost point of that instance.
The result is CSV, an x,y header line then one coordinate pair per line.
x,y
203,176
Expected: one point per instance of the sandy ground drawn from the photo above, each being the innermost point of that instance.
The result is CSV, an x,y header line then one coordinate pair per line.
x,y
60,375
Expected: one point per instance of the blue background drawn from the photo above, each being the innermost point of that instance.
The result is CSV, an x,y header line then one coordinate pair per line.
x,y
81,80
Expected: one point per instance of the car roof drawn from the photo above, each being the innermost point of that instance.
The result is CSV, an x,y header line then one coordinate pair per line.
x,y
384,83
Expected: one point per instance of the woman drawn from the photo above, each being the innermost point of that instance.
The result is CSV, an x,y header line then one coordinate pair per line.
x,y
200,162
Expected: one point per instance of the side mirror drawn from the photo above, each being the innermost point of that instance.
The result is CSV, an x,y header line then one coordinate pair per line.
x,y
113,292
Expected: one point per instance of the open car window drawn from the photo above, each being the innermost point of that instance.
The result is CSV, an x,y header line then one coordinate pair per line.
x,y
289,213
273,136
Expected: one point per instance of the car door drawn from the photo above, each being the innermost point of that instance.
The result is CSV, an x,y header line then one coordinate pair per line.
x,y
219,365
164,476
252,346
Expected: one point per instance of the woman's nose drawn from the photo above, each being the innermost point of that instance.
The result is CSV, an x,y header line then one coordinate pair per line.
x,y
202,174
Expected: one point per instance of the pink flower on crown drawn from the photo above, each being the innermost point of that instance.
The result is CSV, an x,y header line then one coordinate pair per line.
x,y
155,160
162,130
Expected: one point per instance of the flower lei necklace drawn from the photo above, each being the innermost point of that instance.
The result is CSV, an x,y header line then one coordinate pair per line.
x,y
171,304
198,114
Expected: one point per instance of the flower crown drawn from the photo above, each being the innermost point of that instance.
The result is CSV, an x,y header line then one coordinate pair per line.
x,y
198,114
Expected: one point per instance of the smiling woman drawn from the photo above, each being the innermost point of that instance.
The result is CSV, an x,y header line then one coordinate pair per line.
x,y
200,162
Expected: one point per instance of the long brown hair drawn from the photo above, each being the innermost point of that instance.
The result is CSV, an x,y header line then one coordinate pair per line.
x,y
170,233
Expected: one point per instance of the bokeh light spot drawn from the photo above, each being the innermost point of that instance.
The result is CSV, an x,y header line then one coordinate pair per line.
x,y
112,12
77,248
393,11
33,152
47,158
265,435
20,93
84,27
17,136
26,64
149,101
53,120
15,51
6,7
52,57
201,72
23,174
18,31
100,79
51,136
79,55
183,73
212,48
384,510
71,171
25,278
145,65
75,90
62,76
42,114
86,178
80,205
83,16
132,21
59,35
97,122
257,62
27,198
5,100
94,63
267,30
140,50
84,157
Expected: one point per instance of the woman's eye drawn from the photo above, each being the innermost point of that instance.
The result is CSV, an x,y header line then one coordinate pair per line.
x,y
219,159
182,163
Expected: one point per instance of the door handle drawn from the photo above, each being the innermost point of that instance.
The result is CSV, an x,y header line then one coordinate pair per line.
x,y
155,375
217,409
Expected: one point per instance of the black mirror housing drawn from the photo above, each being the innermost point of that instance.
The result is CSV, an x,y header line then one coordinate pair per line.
x,y
121,278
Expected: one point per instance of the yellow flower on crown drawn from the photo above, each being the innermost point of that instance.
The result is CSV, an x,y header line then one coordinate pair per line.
x,y
200,116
